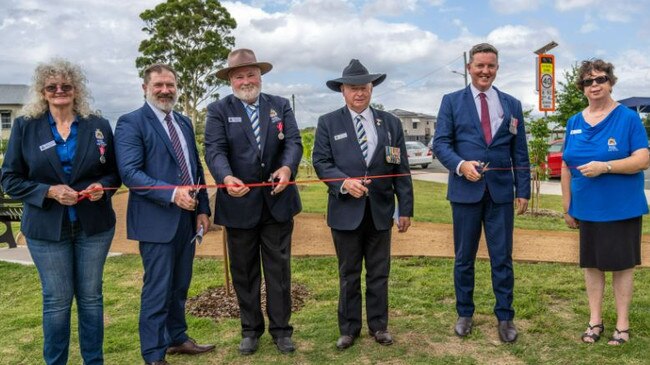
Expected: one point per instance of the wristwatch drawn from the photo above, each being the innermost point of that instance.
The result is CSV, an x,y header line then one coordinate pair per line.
x,y
609,167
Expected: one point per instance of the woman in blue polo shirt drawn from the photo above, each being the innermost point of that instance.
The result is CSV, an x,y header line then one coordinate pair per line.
x,y
605,153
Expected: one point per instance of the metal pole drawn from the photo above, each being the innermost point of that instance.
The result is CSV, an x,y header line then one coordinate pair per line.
x,y
465,67
293,103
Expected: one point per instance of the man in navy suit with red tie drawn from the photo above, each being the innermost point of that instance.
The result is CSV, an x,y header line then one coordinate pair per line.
x,y
351,143
158,160
253,137
480,139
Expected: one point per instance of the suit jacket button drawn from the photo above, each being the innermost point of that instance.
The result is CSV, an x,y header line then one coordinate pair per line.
x,y
263,165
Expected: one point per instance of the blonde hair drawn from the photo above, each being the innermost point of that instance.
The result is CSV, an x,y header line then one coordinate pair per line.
x,y
37,105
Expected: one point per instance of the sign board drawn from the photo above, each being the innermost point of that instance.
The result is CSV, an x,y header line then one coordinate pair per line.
x,y
546,82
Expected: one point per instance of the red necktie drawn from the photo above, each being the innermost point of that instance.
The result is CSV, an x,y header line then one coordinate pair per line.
x,y
485,119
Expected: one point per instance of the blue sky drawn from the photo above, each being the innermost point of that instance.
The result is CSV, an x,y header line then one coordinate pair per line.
x,y
418,43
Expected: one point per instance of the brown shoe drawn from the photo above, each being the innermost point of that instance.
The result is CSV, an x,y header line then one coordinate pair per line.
x,y
382,337
189,347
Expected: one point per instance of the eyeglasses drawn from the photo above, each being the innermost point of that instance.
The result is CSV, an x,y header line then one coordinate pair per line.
x,y
599,80
53,88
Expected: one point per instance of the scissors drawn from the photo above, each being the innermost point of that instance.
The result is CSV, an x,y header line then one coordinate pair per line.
x,y
482,167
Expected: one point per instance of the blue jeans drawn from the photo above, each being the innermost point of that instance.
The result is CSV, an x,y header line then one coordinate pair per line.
x,y
71,267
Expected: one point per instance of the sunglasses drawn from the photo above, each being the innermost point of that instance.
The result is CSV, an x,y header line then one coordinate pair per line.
x,y
53,88
599,80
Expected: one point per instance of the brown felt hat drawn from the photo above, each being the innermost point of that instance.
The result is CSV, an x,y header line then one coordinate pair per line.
x,y
241,58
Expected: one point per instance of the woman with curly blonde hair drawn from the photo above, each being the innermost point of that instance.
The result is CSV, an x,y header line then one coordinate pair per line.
x,y
59,161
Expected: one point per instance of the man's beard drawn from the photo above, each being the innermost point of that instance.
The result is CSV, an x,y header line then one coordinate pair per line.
x,y
163,104
248,93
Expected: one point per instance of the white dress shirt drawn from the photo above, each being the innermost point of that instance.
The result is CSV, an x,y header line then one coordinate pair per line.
x,y
494,108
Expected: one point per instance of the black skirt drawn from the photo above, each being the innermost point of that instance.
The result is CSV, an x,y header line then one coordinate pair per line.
x,y
610,246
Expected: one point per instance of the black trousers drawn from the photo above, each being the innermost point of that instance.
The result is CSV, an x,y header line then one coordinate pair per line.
x,y
268,244
352,248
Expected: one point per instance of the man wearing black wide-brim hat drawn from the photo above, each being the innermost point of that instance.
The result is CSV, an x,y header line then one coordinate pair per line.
x,y
352,145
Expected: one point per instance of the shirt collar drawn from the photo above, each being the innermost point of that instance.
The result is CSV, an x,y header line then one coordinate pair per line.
x,y
50,119
366,114
159,113
255,104
489,93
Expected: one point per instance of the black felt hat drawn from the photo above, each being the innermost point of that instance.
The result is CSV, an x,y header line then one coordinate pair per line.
x,y
355,74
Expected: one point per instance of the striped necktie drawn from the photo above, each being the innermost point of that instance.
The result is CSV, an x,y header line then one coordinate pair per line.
x,y
361,136
255,122
178,150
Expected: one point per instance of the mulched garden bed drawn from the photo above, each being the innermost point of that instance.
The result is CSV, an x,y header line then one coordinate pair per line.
x,y
216,304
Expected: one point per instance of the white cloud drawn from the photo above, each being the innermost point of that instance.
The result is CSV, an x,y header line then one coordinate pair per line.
x,y
389,7
565,5
514,6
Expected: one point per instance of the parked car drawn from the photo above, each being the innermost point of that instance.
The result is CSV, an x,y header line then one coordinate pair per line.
x,y
418,154
554,157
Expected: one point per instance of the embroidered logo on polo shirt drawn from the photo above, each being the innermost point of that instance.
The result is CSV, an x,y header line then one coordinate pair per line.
x,y
611,143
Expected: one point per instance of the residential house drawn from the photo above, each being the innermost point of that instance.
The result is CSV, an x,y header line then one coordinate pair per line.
x,y
416,126
12,98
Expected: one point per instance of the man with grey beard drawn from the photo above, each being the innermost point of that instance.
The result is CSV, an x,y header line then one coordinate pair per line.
x,y
158,160
252,137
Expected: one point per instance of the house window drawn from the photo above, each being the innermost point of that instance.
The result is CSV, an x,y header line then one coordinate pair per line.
x,y
415,125
5,117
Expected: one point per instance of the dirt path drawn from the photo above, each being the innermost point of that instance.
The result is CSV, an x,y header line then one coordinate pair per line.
x,y
312,237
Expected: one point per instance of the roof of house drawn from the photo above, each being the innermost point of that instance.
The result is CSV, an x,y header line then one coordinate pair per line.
x,y
13,94
406,113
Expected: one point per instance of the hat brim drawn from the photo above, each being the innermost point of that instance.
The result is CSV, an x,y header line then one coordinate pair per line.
x,y
223,73
375,79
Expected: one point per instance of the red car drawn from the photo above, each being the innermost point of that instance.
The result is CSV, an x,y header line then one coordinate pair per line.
x,y
554,157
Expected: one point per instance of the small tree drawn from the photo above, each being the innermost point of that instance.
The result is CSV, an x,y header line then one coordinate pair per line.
x,y
193,36
537,151
308,135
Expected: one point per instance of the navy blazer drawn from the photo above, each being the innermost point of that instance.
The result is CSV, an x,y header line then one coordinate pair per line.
x,y
337,154
459,137
146,158
31,165
231,149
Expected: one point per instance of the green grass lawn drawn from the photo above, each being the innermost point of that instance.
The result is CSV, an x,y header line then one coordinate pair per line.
x,y
550,302
431,205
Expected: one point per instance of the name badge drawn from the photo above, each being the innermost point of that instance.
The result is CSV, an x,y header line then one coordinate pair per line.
x,y
340,136
393,155
48,145
576,131
234,119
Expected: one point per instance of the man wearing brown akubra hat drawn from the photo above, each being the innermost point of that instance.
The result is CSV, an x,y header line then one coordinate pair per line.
x,y
253,137
352,143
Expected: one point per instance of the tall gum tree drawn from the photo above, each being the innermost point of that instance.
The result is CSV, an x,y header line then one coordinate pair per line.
x,y
194,37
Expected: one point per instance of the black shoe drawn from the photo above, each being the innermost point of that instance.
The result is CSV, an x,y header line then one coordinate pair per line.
x,y
463,326
284,344
507,331
382,337
248,345
159,362
344,342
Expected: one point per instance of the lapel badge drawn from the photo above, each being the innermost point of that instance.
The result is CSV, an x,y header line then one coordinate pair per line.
x,y
378,122
273,114
98,134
